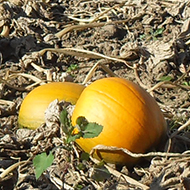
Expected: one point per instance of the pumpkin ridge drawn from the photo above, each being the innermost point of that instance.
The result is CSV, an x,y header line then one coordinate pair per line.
x,y
131,89
123,82
125,110
117,129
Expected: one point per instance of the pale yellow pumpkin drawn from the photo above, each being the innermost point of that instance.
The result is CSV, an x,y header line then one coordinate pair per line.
x,y
32,110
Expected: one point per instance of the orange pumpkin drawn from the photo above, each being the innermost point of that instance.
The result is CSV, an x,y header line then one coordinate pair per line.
x,y
31,113
130,117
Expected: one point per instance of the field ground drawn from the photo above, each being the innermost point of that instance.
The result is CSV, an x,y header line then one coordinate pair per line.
x,y
145,41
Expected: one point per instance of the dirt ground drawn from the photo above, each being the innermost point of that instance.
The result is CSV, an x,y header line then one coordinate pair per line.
x,y
145,41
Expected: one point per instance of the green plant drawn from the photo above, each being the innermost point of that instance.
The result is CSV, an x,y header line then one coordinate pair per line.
x,y
41,162
186,83
72,67
84,129
152,34
165,78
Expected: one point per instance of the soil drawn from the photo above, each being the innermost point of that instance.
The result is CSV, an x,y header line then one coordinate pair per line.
x,y
145,41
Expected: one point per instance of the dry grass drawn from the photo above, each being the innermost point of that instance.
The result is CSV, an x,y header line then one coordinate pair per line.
x,y
39,42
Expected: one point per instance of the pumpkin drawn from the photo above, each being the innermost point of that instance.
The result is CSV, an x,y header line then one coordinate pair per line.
x,y
32,110
131,119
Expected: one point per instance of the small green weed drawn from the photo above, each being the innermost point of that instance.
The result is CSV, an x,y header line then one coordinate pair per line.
x,y
72,67
186,83
152,35
165,78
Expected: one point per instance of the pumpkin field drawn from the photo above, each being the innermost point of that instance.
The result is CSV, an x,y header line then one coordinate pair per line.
x,y
94,95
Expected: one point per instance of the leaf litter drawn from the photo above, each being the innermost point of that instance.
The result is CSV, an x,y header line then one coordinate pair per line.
x,y
143,41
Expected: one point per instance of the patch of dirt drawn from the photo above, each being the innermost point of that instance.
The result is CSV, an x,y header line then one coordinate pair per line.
x,y
145,41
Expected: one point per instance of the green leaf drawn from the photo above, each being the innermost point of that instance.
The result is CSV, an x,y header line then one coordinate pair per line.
x,y
88,129
64,117
72,67
85,156
186,83
166,78
66,122
82,122
100,173
92,130
81,166
159,31
41,162
143,36
72,138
